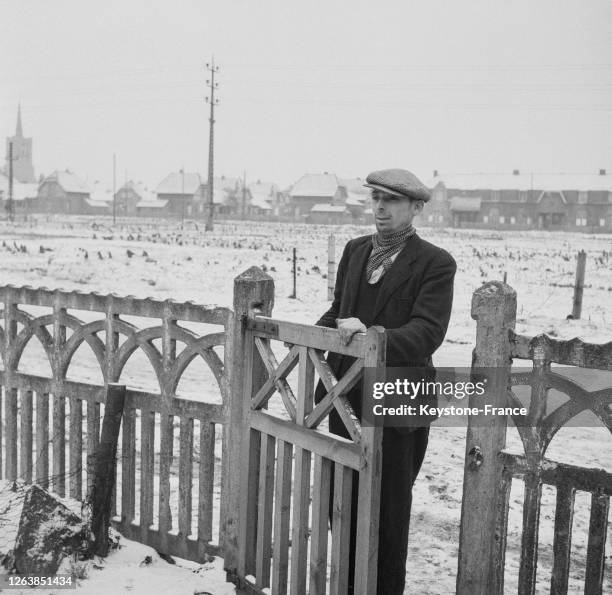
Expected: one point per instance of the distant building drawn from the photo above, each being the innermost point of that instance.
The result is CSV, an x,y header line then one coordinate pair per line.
x,y
263,199
100,201
329,214
129,196
357,198
24,195
314,189
23,168
63,192
151,207
183,192
228,196
521,201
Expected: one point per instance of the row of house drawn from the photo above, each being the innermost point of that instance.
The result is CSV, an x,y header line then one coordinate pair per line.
x,y
511,200
499,201
515,200
179,194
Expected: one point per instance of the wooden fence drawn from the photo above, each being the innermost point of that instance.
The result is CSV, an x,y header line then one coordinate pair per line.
x,y
271,467
29,399
489,468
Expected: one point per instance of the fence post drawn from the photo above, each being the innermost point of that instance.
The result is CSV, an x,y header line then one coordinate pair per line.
x,y
331,266
105,463
294,273
253,289
579,285
481,555
366,555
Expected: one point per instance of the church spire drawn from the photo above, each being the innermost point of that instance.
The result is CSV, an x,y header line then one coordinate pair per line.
x,y
19,131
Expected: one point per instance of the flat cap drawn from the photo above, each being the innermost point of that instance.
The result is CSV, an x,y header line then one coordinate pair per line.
x,y
400,182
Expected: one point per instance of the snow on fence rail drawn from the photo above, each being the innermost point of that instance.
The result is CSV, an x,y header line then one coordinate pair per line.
x,y
29,399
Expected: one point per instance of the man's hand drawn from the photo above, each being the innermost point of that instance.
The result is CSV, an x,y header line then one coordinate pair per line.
x,y
347,327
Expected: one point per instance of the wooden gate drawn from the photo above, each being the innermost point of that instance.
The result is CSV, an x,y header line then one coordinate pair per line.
x,y
489,468
273,444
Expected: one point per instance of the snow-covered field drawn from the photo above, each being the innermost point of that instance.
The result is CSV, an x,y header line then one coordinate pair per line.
x,y
165,262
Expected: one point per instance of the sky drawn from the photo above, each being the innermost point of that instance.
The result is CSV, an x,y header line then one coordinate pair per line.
x,y
344,87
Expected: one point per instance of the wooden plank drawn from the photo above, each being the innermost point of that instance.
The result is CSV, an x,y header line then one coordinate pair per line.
x,y
253,288
561,474
341,530
368,507
263,551
529,544
134,398
321,490
299,531
596,549
301,478
498,555
58,440
75,448
2,401
185,476
247,520
277,377
348,381
147,470
26,417
280,562
165,461
574,352
318,442
127,306
42,439
562,543
319,337
128,466
93,438
206,481
494,308
11,433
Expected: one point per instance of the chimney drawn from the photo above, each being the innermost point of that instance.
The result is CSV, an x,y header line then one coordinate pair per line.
x,y
515,172
435,173
602,172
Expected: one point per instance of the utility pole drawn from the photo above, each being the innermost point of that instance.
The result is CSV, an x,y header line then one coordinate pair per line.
x,y
10,207
213,102
114,189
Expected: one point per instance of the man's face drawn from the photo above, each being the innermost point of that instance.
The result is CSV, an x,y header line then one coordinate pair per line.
x,y
392,213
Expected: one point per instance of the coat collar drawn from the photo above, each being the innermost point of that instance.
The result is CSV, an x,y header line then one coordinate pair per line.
x,y
399,272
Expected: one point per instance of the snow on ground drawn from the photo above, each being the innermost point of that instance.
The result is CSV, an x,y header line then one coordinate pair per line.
x,y
133,567
166,262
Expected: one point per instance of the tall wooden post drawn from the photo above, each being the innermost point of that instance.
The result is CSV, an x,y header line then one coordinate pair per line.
x,y
366,555
579,285
331,266
294,271
253,291
481,551
105,468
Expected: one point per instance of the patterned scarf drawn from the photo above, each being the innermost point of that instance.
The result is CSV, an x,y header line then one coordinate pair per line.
x,y
385,247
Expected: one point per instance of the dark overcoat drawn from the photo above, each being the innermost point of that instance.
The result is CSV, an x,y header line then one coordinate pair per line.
x,y
413,304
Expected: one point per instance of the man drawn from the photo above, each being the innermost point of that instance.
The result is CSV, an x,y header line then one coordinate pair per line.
x,y
396,280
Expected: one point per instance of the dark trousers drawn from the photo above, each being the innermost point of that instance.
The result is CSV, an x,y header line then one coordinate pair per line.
x,y
403,455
